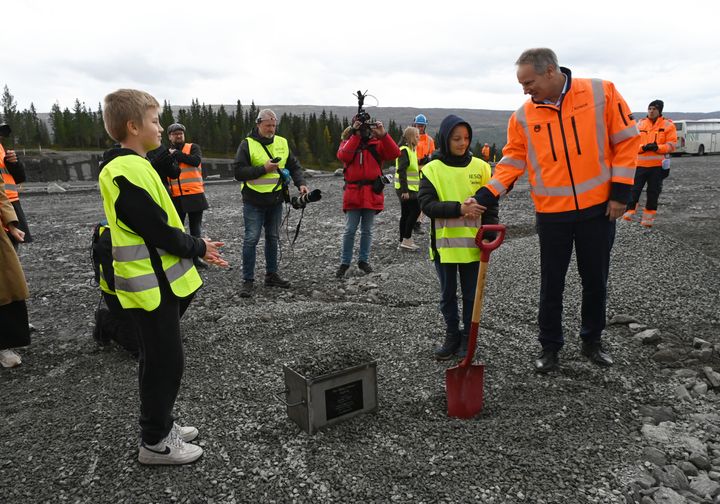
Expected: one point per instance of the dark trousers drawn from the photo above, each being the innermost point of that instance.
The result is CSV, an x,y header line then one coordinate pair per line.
x,y
654,179
409,212
448,274
161,363
195,219
593,240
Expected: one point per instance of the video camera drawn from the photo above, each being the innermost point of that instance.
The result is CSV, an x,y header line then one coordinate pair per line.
x,y
367,123
299,202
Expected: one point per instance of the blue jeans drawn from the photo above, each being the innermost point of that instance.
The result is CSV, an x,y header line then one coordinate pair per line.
x,y
255,218
448,274
352,219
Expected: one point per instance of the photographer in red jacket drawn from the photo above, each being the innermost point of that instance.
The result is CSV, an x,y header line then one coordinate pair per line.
x,y
362,155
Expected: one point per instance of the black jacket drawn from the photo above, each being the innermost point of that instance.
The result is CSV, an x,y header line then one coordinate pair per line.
x,y
139,212
244,171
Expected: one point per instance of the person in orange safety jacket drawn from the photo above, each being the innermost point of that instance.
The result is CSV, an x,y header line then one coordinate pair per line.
x,y
577,140
658,138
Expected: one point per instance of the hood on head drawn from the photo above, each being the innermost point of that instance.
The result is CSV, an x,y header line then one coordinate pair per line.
x,y
446,127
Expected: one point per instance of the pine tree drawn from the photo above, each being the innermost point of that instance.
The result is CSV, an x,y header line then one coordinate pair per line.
x,y
166,117
9,107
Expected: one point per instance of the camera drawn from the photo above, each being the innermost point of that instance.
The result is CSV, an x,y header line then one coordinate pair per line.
x,y
367,123
299,202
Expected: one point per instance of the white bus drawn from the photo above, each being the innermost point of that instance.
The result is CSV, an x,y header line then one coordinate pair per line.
x,y
698,137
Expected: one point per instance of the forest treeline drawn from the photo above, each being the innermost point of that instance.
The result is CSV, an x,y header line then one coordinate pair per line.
x,y
313,138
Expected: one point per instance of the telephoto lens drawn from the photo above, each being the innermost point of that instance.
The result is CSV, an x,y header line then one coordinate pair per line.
x,y
301,201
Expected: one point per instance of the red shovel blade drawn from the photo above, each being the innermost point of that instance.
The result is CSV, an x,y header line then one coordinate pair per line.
x,y
465,390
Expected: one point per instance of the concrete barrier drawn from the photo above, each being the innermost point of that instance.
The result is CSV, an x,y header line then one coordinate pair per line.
x,y
84,166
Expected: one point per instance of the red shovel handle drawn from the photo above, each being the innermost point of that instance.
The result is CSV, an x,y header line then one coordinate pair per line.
x,y
489,246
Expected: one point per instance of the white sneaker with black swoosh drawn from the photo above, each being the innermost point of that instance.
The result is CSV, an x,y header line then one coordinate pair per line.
x,y
170,451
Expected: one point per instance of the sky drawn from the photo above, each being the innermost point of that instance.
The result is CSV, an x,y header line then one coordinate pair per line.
x,y
406,54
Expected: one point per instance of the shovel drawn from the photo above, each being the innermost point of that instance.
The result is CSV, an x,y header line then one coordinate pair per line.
x,y
464,382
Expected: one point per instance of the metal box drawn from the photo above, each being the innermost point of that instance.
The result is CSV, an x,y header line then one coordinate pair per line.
x,y
314,402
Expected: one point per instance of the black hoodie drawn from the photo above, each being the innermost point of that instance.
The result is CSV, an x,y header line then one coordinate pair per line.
x,y
138,211
427,195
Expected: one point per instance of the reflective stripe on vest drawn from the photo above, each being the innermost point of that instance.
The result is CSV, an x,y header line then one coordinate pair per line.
x,y
190,180
270,181
412,172
136,283
454,238
11,188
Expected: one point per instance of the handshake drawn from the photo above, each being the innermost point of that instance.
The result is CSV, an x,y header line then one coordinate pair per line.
x,y
471,209
650,147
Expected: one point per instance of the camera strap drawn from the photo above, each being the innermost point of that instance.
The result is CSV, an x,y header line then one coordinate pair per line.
x,y
280,180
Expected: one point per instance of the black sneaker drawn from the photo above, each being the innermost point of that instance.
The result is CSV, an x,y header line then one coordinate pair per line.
x,y
449,346
247,288
342,270
274,280
595,353
547,361
365,267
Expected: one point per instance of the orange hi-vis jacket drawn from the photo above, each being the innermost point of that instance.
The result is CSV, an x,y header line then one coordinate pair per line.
x,y
190,180
572,153
663,133
11,188
425,146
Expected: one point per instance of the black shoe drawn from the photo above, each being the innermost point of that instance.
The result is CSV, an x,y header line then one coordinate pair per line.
x,y
449,347
365,267
547,361
418,229
593,350
341,270
274,280
247,288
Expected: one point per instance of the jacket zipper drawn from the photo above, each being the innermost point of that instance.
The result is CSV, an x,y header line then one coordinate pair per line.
x,y
567,157
552,144
577,140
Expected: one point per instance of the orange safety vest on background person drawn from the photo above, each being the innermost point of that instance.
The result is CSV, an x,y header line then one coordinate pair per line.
x,y
190,180
11,188
663,133
425,146
574,152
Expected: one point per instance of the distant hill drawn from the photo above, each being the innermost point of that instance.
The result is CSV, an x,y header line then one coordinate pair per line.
x,y
488,125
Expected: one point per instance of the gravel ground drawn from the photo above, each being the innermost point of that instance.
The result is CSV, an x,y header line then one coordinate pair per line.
x,y
68,415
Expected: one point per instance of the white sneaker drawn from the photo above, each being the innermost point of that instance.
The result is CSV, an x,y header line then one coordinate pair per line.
x,y
186,433
408,245
9,359
170,451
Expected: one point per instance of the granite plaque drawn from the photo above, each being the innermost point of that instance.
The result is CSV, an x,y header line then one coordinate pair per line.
x,y
343,399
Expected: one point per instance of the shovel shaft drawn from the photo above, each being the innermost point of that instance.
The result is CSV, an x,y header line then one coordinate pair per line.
x,y
476,314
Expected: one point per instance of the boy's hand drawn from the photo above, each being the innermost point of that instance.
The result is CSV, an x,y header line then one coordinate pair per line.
x,y
11,156
471,208
212,253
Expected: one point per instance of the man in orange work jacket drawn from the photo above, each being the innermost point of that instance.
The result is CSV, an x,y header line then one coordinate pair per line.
x,y
577,140
187,190
658,138
424,150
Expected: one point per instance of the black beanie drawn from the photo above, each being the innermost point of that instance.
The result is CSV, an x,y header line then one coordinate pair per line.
x,y
658,104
